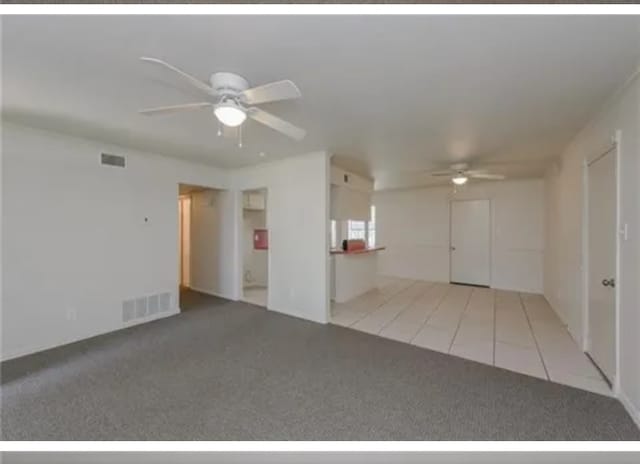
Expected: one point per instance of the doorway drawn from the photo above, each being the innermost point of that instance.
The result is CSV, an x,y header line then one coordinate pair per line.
x,y
470,247
199,245
602,262
184,239
255,246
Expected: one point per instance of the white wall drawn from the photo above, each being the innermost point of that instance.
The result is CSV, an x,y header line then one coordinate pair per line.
x,y
414,226
354,182
297,214
350,199
75,242
255,262
212,248
564,187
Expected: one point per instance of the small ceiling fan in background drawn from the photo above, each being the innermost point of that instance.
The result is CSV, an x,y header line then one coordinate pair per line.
x,y
230,97
460,174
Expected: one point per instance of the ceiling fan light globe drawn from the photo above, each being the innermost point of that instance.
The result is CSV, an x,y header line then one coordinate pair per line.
x,y
459,180
230,115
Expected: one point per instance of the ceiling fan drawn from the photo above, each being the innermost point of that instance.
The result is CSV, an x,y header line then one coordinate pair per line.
x,y
230,98
460,174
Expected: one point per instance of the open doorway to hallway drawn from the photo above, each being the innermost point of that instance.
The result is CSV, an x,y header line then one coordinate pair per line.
x,y
255,246
199,243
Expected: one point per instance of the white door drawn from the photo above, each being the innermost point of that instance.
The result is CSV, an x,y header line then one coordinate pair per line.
x,y
601,234
471,242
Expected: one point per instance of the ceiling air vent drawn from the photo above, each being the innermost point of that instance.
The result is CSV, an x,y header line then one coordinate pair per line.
x,y
112,160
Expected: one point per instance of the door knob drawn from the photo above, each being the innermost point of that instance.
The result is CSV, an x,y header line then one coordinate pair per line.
x,y
609,282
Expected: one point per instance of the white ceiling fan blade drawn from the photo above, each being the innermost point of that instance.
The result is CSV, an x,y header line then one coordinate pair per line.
x,y
471,172
442,173
280,90
488,176
276,123
174,108
195,82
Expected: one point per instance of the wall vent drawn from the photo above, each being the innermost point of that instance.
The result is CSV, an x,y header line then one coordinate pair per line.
x,y
165,302
141,307
112,160
153,304
138,308
128,310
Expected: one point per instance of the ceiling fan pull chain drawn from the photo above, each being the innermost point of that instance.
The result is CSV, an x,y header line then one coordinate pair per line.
x,y
219,129
239,136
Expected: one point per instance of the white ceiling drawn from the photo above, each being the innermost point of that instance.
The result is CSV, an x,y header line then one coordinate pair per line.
x,y
390,96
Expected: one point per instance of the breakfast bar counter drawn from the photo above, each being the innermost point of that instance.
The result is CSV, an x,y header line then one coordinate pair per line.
x,y
353,272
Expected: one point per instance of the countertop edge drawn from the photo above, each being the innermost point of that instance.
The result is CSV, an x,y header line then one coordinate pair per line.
x,y
356,252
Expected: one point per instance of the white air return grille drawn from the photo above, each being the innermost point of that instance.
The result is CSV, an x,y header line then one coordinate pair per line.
x,y
165,301
141,307
138,308
128,310
153,304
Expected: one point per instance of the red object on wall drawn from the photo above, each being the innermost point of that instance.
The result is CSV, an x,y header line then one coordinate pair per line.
x,y
260,239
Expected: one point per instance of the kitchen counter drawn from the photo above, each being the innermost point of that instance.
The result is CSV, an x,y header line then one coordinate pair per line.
x,y
340,251
353,273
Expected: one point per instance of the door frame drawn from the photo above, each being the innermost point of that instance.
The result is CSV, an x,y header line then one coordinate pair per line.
x,y
240,242
612,146
182,199
451,201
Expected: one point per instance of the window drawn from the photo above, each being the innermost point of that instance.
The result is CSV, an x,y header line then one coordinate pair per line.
x,y
334,234
356,230
363,230
371,228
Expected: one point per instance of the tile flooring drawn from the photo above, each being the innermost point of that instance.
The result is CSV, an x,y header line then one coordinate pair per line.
x,y
255,295
511,330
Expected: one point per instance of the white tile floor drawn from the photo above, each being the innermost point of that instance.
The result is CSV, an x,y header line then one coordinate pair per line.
x,y
255,295
511,330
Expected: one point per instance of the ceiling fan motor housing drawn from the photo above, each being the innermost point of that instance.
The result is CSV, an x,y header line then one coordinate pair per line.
x,y
228,84
458,167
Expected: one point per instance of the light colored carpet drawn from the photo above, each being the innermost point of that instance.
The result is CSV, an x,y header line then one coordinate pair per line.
x,y
233,371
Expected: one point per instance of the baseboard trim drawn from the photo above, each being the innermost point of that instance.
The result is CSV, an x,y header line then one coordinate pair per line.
x,y
212,293
630,407
298,316
35,350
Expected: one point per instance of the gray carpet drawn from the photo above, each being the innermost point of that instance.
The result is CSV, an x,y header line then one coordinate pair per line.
x,y
233,371
348,2
324,457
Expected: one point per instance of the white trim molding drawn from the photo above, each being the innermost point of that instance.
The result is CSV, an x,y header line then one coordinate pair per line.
x,y
630,407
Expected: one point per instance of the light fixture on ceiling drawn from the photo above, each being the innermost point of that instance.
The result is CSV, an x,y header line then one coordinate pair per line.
x,y
230,114
233,100
459,179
